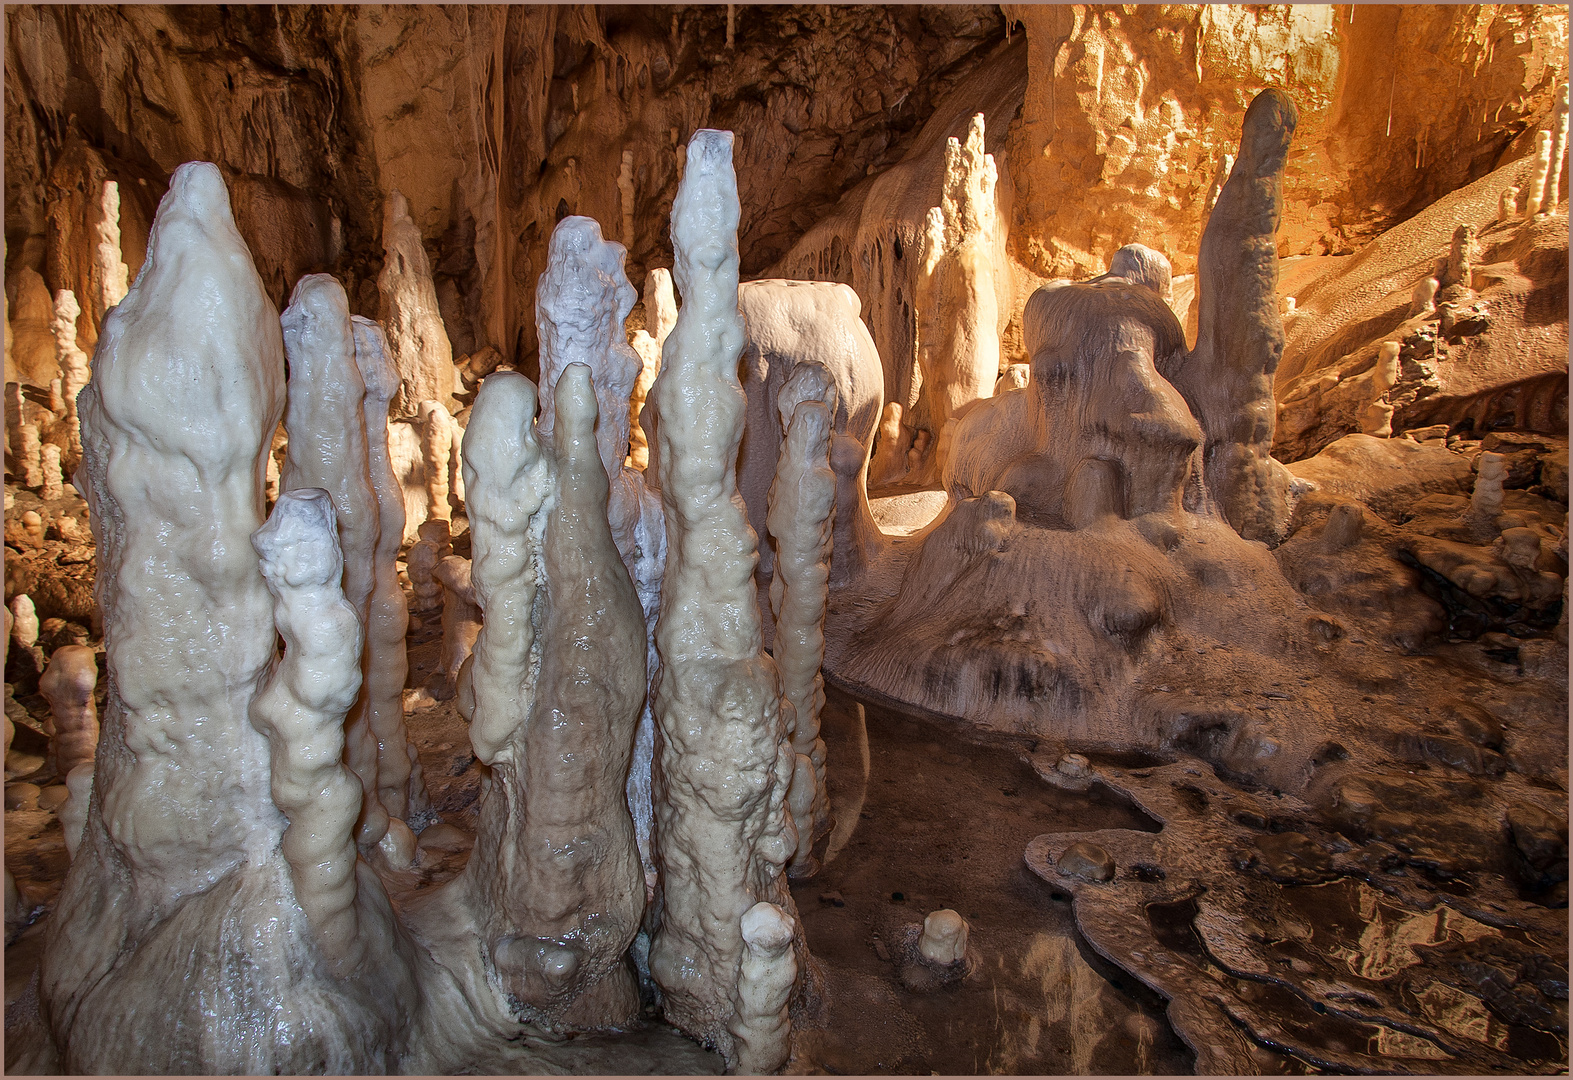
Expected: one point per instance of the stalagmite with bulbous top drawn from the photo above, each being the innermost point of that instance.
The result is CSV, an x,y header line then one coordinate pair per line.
x,y
723,757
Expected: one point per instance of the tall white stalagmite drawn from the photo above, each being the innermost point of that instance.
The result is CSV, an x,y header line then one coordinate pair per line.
x,y
327,449
179,868
723,757
958,328
802,521
385,664
420,347
109,268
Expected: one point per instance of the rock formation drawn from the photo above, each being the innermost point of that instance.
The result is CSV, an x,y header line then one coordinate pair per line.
x,y
723,756
1228,378
420,347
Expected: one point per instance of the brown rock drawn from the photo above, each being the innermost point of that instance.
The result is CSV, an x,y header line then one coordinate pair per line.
x,y
1086,861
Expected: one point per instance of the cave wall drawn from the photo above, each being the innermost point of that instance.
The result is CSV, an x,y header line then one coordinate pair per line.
x,y
494,122
1107,122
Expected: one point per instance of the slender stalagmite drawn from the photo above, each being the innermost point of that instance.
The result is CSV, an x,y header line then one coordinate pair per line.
x,y
763,1026
327,449
1551,197
384,663
723,757
1539,178
179,871
301,708
68,682
109,267
802,520
436,446
1227,379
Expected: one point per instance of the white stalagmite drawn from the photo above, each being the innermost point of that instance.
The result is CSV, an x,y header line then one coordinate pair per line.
x,y
327,449
420,347
384,662
944,937
958,321
179,866
660,313
74,370
68,683
766,977
52,486
723,759
109,268
1551,197
1422,301
1537,180
301,707
436,444
802,521
1507,204
581,302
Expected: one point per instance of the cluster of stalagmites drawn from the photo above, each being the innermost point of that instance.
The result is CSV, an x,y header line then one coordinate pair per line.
x,y
650,771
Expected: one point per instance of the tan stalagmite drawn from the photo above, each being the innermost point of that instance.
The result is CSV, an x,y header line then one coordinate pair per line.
x,y
301,707
327,449
958,316
625,192
461,620
420,347
24,622
1485,501
421,561
1376,418
384,664
109,268
660,313
766,977
802,521
74,370
1461,257
436,445
179,859
890,452
1537,180
1507,204
68,683
1551,196
565,900
581,303
1227,379
723,760
28,451
1422,301
52,484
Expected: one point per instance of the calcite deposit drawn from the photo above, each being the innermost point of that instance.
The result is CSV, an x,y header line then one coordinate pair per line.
x,y
1062,572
